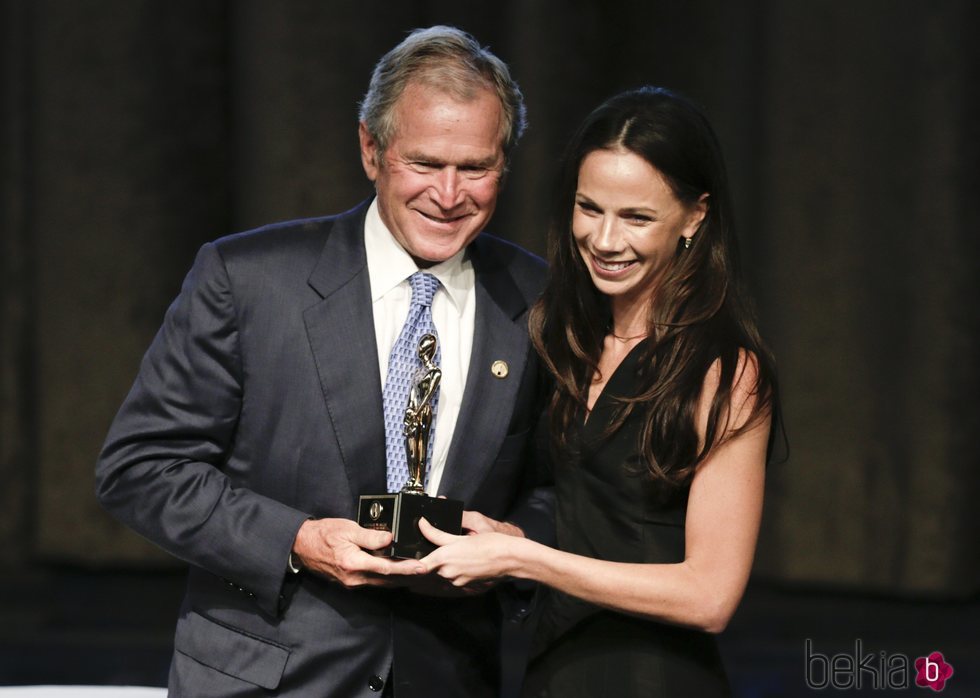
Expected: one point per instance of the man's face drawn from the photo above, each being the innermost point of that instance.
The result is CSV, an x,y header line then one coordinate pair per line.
x,y
438,181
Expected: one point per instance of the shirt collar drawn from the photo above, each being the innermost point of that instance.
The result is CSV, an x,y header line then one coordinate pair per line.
x,y
389,264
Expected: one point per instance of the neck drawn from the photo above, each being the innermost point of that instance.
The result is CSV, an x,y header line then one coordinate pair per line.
x,y
629,320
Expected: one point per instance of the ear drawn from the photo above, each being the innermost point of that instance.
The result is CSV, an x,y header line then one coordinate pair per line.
x,y
698,211
369,151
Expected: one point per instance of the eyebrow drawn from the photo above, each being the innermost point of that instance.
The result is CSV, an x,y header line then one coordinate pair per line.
x,y
631,210
484,163
642,211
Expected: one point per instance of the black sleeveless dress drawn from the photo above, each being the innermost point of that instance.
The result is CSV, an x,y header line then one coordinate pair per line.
x,y
608,508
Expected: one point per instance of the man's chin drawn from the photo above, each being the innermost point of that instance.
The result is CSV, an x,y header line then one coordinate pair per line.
x,y
430,259
431,254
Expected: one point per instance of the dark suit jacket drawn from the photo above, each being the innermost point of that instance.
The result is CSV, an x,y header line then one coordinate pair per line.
x,y
257,406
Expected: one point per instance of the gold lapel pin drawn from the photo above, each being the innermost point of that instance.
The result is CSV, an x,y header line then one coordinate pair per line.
x,y
499,369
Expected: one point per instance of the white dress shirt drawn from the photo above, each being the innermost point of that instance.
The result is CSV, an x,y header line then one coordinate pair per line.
x,y
453,313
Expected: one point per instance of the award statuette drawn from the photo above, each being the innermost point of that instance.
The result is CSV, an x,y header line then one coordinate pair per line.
x,y
400,512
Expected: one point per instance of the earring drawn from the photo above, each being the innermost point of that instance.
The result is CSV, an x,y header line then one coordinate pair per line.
x,y
688,242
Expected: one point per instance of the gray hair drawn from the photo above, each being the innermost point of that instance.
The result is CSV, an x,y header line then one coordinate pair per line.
x,y
451,61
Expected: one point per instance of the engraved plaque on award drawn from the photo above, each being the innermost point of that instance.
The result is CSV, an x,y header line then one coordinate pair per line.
x,y
400,512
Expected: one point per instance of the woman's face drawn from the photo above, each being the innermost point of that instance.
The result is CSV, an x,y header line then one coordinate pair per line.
x,y
627,224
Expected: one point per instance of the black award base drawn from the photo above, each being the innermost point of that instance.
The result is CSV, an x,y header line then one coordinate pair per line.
x,y
400,514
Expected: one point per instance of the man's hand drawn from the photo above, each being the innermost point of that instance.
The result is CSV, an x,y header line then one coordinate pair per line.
x,y
335,549
434,585
474,522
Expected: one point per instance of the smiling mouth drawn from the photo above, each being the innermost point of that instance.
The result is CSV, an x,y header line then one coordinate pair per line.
x,y
612,267
444,220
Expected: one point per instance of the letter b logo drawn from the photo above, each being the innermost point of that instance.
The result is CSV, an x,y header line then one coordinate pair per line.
x,y
817,668
933,671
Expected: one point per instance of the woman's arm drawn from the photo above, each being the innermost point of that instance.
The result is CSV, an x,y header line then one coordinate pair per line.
x,y
703,591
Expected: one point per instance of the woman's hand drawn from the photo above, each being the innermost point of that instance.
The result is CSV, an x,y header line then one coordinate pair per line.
x,y
469,559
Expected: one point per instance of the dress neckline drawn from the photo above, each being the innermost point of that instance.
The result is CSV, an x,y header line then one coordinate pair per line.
x,y
628,360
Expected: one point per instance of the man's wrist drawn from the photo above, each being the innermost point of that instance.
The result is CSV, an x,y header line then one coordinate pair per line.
x,y
294,564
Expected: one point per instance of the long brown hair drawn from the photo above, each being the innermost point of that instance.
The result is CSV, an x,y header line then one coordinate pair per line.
x,y
699,315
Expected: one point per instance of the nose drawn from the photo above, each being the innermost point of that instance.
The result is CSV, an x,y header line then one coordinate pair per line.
x,y
446,188
605,236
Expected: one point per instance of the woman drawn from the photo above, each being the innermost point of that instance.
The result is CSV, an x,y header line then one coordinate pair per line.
x,y
661,417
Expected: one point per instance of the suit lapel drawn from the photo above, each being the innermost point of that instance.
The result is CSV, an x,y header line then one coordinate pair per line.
x,y
340,328
499,335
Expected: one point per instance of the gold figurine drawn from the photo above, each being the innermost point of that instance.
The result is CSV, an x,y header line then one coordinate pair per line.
x,y
418,414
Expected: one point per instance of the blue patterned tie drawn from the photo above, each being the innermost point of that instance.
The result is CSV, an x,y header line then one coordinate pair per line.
x,y
403,363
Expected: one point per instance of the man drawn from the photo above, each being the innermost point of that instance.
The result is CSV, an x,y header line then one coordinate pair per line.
x,y
257,417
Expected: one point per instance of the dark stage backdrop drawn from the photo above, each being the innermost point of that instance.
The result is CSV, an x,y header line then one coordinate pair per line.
x,y
135,130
